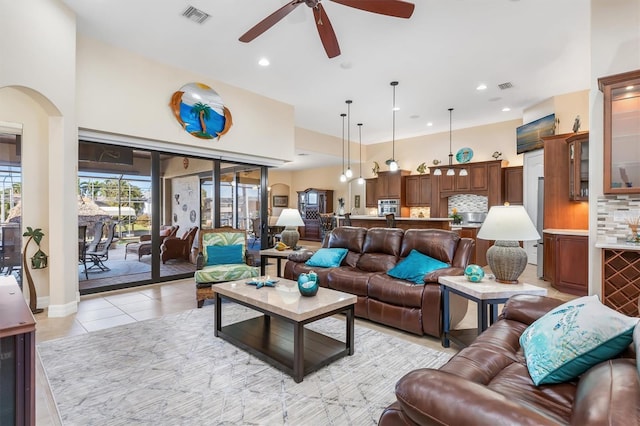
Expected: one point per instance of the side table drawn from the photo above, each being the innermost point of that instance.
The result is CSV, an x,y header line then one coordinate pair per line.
x,y
272,253
487,294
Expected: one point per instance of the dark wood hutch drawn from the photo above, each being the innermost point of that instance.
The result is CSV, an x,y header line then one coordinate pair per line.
x,y
312,202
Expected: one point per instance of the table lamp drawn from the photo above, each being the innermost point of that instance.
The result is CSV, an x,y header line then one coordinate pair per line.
x,y
507,225
290,219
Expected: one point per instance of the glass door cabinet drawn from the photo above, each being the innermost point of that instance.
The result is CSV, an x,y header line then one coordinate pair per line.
x,y
621,132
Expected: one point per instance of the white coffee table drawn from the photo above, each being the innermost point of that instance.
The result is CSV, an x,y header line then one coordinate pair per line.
x,y
279,336
487,294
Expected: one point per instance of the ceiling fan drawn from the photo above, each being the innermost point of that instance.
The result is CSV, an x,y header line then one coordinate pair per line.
x,y
396,8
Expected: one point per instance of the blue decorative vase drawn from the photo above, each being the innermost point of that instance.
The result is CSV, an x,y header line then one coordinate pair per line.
x,y
474,273
308,284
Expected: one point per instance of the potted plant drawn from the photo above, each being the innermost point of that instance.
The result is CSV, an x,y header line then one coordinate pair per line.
x,y
38,261
40,258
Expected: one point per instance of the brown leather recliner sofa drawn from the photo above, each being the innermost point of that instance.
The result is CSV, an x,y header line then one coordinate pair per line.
x,y
488,383
402,304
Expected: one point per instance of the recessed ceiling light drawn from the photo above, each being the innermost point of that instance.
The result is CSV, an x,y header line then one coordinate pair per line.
x,y
629,87
481,87
396,108
263,62
429,124
506,109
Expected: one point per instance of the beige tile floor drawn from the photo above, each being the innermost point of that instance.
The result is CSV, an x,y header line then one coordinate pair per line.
x,y
104,310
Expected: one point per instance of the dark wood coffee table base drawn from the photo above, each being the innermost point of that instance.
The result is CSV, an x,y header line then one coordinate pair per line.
x,y
285,343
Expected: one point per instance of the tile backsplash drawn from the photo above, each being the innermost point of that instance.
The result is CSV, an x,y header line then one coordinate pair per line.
x,y
613,214
468,203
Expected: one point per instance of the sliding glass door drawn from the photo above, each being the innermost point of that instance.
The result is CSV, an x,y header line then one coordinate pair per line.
x,y
156,203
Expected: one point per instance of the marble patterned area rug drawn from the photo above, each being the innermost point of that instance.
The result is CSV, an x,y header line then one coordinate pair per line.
x,y
173,371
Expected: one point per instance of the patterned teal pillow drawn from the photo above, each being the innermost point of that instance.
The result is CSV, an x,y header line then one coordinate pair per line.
x,y
415,266
575,336
327,257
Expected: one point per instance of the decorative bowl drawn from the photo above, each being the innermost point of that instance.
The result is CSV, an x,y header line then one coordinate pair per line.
x,y
474,273
308,284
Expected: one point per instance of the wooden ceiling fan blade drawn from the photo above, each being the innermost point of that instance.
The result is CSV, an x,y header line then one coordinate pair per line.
x,y
397,8
325,30
269,21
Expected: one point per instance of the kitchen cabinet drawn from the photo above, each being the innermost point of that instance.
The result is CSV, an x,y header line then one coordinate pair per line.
x,y
312,202
390,185
483,178
566,262
512,185
371,199
479,255
418,190
621,93
579,167
17,356
560,212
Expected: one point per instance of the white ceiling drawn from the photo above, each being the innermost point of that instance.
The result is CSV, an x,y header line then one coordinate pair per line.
x,y
439,56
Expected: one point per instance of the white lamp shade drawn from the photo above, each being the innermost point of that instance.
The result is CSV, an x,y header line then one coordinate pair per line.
x,y
290,217
508,223
437,172
393,166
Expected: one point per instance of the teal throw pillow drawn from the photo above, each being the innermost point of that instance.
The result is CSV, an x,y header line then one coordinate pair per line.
x,y
223,255
415,266
327,257
575,336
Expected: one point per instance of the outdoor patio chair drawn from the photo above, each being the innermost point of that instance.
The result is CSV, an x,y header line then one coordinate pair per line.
x,y
82,248
222,257
143,247
101,253
10,251
178,248
98,229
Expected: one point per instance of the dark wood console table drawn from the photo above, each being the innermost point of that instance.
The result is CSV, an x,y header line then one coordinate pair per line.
x,y
17,356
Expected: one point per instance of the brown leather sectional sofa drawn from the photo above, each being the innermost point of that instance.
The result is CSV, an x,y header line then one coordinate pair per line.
x,y
488,383
415,308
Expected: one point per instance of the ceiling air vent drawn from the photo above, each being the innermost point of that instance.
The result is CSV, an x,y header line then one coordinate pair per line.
x,y
506,85
195,15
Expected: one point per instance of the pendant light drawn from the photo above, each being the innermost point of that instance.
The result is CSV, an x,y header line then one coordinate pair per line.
x,y
360,178
450,172
343,177
349,173
393,166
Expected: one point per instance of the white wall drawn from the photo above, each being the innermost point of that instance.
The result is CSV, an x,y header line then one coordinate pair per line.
x,y
38,52
615,48
124,93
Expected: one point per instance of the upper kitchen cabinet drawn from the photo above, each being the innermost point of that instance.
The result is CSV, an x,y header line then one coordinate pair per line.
x,y
621,132
391,185
371,199
579,167
418,190
512,185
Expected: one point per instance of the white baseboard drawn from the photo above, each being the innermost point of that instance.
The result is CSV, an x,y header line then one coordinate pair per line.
x,y
63,310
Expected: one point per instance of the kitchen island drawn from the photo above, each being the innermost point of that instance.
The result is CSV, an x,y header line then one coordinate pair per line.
x,y
402,222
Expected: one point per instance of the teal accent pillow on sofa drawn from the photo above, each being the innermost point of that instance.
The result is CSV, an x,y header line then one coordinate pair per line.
x,y
415,266
327,257
223,255
572,338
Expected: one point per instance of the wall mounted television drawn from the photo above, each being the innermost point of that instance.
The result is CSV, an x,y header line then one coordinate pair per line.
x,y
529,136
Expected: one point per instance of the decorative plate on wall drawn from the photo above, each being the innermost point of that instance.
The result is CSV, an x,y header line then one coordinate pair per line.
x,y
200,111
464,155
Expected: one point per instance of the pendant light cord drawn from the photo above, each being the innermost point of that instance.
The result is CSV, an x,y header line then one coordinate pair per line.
x,y
393,123
348,102
360,139
450,150
343,115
